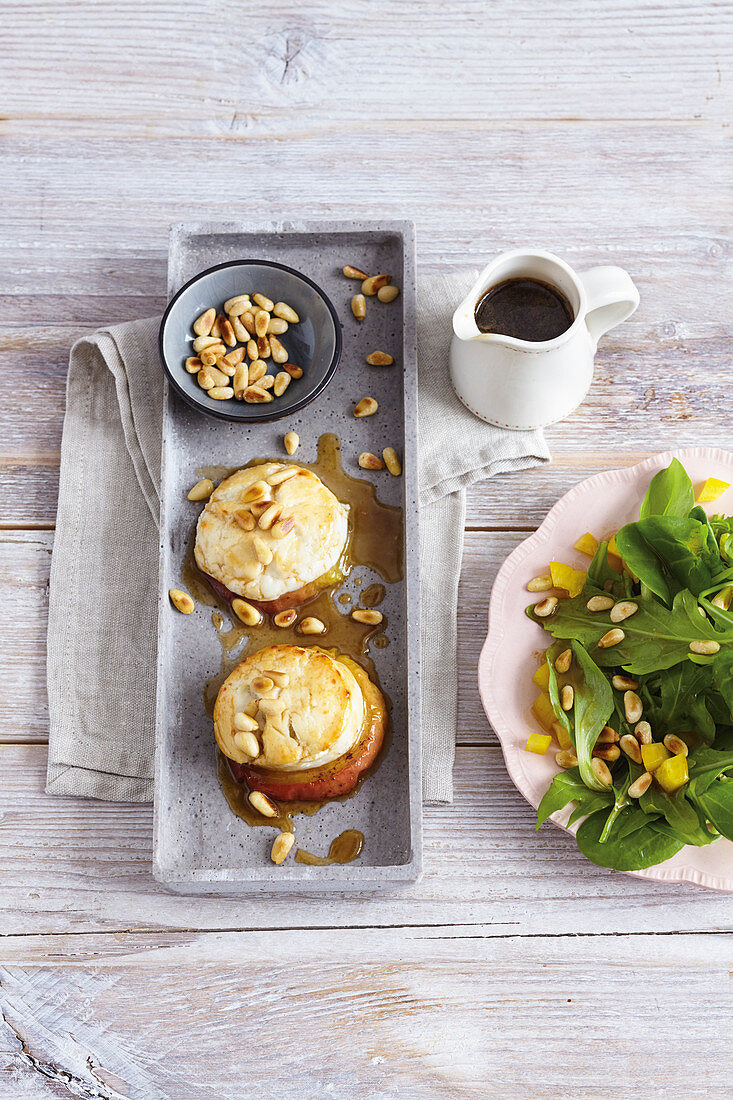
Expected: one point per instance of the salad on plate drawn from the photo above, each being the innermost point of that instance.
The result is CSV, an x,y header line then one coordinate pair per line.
x,y
636,687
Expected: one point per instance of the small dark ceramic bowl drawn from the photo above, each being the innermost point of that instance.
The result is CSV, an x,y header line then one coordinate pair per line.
x,y
314,344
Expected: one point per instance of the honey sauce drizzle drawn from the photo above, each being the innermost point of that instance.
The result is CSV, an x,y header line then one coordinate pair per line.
x,y
345,848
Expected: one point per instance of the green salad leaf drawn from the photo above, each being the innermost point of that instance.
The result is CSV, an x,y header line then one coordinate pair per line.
x,y
670,493
592,708
668,553
567,787
637,843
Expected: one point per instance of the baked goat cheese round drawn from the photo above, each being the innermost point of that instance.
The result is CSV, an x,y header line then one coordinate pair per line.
x,y
269,532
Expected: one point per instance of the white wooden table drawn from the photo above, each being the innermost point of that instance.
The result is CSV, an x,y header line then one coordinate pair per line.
x,y
515,968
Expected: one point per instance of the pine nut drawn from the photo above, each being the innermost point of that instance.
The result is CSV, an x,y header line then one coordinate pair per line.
x,y
221,393
283,528
705,648
633,707
227,333
601,771
277,326
245,722
248,321
566,759
563,661
202,490
282,381
358,307
370,617
210,355
675,745
607,736
239,330
220,379
255,395
642,784
246,613
202,325
366,407
247,743
291,442
280,679
391,461
181,601
281,845
271,707
259,491
368,461
623,610
240,382
284,619
204,378
311,625
567,697
379,359
237,305
257,370
285,313
262,685
270,516
624,683
278,352
216,327
193,364
263,302
606,752
293,370
262,550
545,607
259,507
263,347
262,804
630,746
388,293
371,285
266,382
542,583
244,519
643,733
201,343
611,637
233,359
702,613
600,603
283,475
354,273
252,350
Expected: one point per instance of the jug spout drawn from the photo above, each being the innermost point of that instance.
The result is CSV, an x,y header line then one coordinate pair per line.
x,y
464,318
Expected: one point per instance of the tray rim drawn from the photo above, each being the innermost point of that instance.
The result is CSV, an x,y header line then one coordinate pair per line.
x,y
352,876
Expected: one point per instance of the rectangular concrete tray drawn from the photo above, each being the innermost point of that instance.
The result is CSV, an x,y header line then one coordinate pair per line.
x,y
201,847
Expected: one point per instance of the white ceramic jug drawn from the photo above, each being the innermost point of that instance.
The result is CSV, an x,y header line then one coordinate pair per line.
x,y
521,384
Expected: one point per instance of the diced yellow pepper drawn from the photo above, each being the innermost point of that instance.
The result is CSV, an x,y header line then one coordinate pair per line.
x,y
614,558
542,676
564,576
561,735
712,489
672,774
653,755
543,712
587,544
538,742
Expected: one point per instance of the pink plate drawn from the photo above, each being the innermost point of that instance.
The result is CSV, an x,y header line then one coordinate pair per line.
x,y
509,657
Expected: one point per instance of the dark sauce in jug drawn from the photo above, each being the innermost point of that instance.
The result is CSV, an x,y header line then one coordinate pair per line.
x,y
526,309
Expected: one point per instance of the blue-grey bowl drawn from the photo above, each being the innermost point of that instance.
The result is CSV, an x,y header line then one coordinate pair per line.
x,y
314,344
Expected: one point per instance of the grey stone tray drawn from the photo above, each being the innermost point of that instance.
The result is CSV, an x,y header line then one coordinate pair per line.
x,y
201,847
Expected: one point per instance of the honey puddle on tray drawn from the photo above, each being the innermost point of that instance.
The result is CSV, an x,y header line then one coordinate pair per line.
x,y
375,542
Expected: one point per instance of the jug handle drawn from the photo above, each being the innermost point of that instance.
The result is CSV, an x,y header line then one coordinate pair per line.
x,y
611,298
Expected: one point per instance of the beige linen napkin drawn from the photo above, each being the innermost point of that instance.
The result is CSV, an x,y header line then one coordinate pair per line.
x,y
104,573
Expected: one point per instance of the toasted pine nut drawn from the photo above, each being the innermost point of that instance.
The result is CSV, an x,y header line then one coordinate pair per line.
x,y
181,601
643,733
285,473
259,491
282,381
277,326
266,382
257,370
293,370
233,359
263,347
623,610
387,293
245,722
262,804
202,325
545,607
278,352
252,350
247,743
259,507
607,736
601,771
262,550
625,683
240,382
244,519
564,660
285,618
247,320
237,305
542,583
379,359
205,378
633,707
566,759
246,613
285,313
630,746
702,612
202,490
675,745
193,364
216,327
567,697
354,273
358,306
201,343
263,302
227,333
281,845
391,461
368,461
639,786
262,685
270,516
210,355
600,603
311,625
220,379
706,648
280,679
370,617
366,407
291,441
722,599
611,637
282,528
255,395
373,283
239,330
607,752
221,393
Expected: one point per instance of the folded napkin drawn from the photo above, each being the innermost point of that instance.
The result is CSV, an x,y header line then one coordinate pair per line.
x,y
104,574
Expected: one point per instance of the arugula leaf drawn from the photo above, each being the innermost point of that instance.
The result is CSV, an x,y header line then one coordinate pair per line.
x,y
716,804
553,691
628,849
670,493
670,552
678,813
567,787
722,668
682,701
704,766
592,708
600,572
621,800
